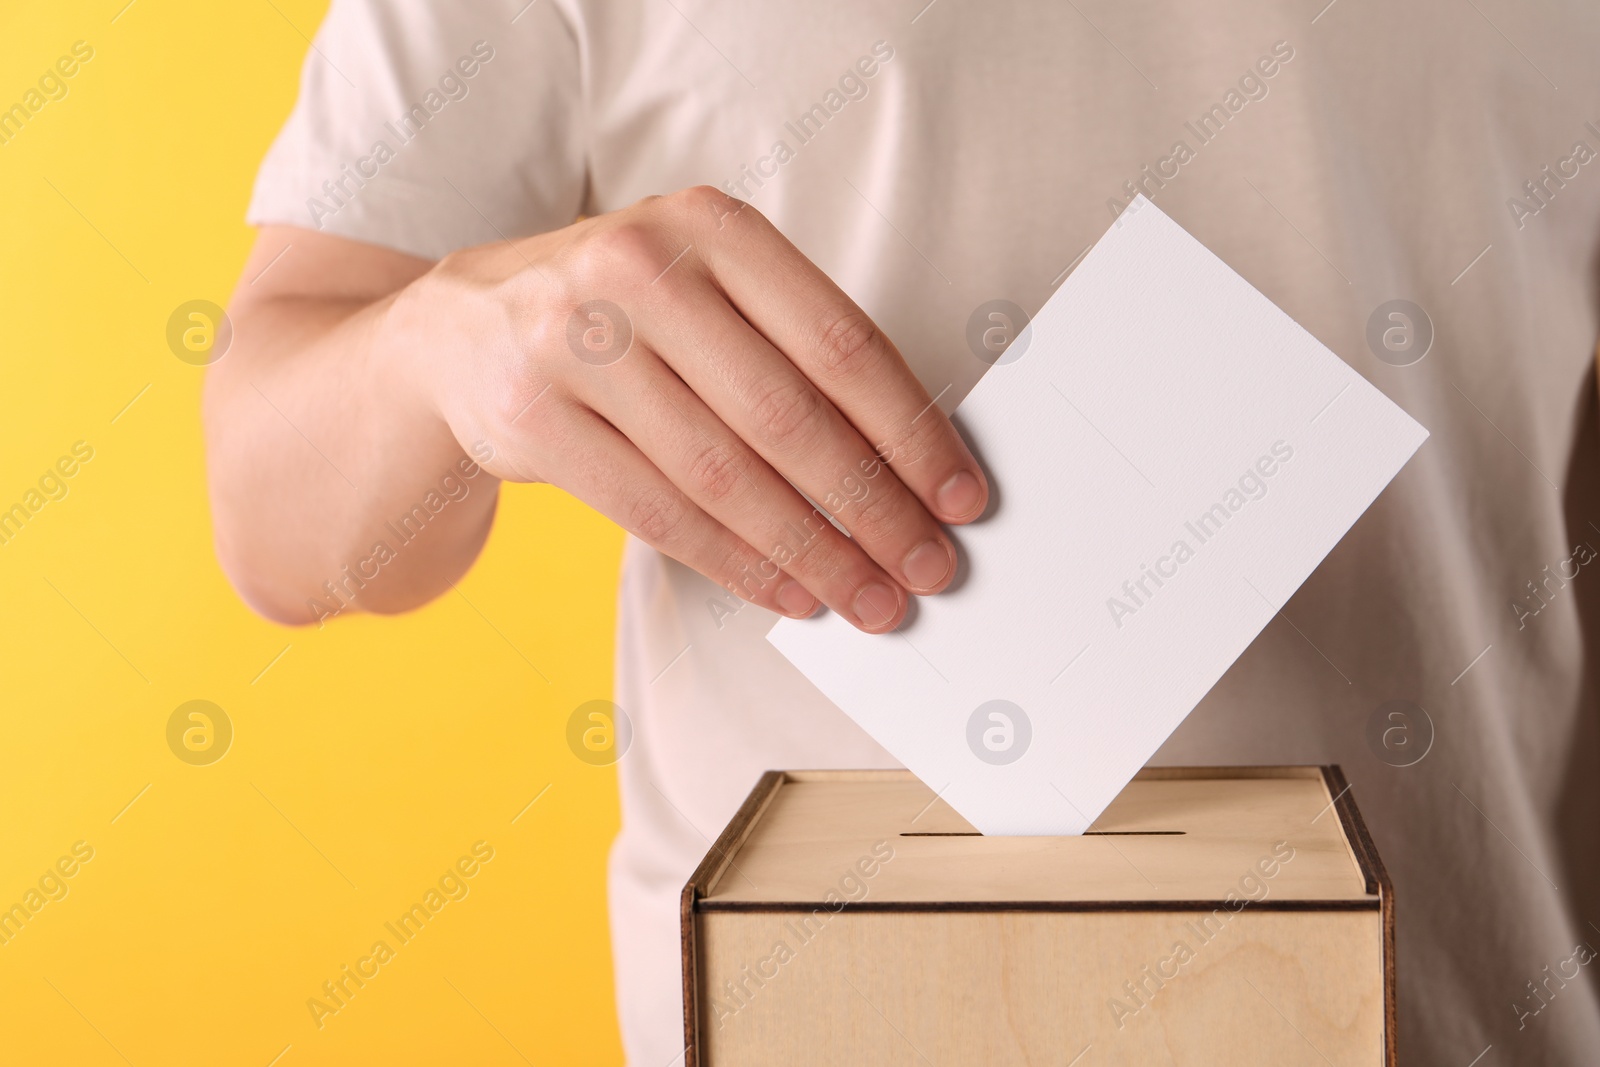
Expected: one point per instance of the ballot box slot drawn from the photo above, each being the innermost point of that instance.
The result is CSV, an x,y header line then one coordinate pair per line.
x,y
1086,833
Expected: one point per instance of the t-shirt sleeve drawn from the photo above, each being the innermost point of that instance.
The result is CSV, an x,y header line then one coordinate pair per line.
x,y
429,126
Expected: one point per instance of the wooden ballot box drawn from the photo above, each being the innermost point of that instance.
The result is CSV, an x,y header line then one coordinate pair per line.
x,y
1210,916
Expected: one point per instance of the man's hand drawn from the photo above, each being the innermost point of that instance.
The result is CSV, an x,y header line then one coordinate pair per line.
x,y
678,365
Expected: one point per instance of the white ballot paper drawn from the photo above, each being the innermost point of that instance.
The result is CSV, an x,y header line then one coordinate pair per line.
x,y
1171,456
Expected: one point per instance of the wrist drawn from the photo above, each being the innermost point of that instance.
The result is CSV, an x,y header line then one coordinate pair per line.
x,y
413,349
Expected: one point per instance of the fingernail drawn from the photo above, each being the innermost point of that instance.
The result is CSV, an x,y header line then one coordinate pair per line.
x,y
795,599
927,565
960,495
876,604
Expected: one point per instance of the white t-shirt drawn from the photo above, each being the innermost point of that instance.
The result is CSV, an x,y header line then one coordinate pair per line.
x,y
932,160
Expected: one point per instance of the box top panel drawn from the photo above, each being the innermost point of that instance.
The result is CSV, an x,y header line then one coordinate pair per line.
x,y
882,838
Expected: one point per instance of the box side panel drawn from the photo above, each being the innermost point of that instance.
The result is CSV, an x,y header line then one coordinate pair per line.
x,y
1158,988
699,882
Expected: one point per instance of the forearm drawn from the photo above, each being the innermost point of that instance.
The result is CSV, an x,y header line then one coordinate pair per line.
x,y
335,485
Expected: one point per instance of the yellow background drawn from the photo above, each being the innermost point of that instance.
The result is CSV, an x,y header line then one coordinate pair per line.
x,y
368,757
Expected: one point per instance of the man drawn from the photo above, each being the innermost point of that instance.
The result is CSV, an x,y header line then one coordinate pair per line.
x,y
845,185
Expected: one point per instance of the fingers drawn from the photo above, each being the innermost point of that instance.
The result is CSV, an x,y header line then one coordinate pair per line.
x,y
603,468
735,486
768,403
771,386
836,345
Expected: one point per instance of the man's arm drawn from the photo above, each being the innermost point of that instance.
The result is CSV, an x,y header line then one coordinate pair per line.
x,y
678,365
315,437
